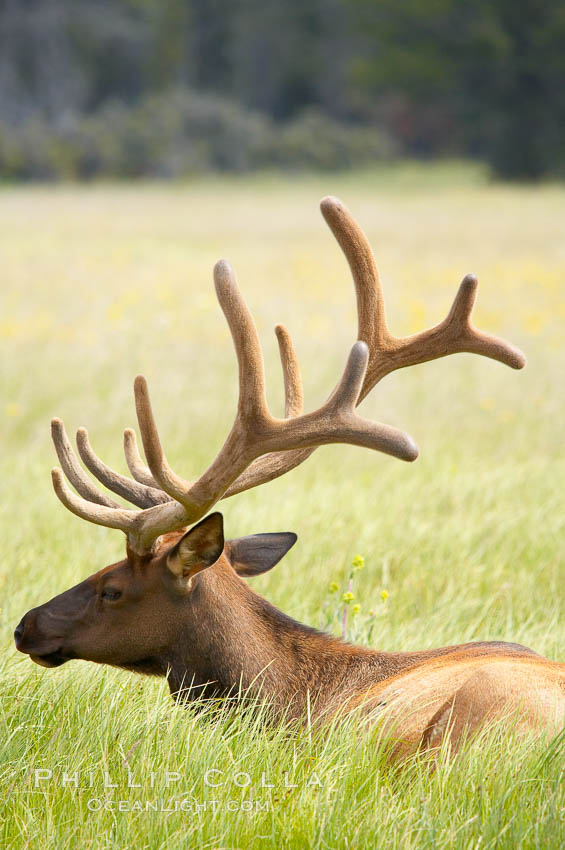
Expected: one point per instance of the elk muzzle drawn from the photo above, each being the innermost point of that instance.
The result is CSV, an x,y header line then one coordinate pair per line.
x,y
39,635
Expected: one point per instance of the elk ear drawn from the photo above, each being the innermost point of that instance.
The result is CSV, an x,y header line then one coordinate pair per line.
x,y
253,555
199,548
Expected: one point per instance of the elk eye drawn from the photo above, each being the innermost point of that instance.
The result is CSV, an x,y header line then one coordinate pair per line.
x,y
110,593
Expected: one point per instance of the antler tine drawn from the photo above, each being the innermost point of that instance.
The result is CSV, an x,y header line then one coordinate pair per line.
x,y
341,406
475,341
337,422
73,470
138,494
270,466
388,353
100,514
372,326
293,392
252,404
347,391
175,486
136,466
453,335
274,464
142,528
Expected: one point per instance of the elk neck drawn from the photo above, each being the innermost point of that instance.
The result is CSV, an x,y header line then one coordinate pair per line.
x,y
231,640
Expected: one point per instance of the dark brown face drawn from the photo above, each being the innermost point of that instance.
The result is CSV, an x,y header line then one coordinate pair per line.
x,y
117,616
128,614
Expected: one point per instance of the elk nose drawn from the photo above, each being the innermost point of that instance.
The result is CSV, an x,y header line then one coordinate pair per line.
x,y
19,632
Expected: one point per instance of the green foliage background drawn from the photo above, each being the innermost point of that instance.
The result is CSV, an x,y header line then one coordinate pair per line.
x,y
121,87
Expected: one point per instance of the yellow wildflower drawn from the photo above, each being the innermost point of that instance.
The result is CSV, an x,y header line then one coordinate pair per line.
x,y
358,562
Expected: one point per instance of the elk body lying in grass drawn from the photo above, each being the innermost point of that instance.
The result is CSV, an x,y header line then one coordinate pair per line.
x,y
178,606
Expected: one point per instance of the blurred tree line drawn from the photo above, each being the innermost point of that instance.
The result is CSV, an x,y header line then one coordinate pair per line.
x,y
168,87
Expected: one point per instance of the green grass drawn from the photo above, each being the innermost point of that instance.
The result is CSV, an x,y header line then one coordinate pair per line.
x,y
101,283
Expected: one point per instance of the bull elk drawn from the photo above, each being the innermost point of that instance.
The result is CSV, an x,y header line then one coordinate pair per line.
x,y
178,606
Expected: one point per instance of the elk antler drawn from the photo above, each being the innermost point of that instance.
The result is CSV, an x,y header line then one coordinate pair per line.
x,y
260,447
454,334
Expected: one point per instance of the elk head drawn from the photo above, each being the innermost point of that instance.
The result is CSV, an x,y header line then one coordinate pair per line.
x,y
181,585
134,613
